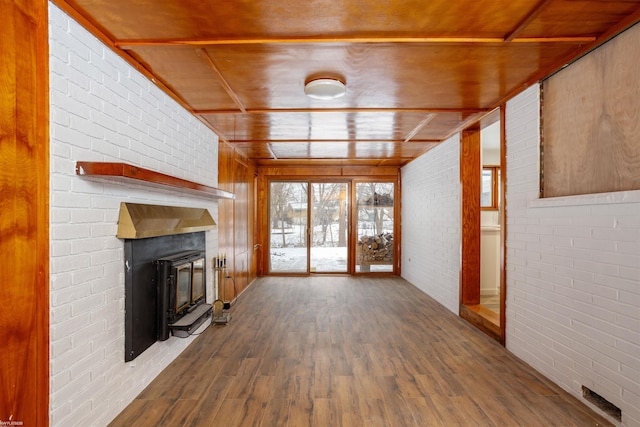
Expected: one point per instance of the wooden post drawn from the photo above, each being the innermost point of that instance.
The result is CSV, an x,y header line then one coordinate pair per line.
x,y
470,211
24,212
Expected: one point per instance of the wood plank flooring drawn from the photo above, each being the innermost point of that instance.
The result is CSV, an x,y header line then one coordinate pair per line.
x,y
348,351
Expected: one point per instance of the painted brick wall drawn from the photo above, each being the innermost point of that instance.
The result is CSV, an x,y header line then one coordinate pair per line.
x,y
103,110
573,275
431,223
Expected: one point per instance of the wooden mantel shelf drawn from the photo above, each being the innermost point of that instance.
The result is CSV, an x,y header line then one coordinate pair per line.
x,y
129,172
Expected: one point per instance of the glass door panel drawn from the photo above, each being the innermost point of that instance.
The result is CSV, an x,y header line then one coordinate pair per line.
x,y
375,227
329,213
288,216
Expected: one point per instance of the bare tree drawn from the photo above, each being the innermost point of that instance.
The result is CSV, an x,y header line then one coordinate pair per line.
x,y
326,208
281,196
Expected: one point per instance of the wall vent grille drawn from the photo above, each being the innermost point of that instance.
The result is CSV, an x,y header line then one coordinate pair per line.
x,y
602,403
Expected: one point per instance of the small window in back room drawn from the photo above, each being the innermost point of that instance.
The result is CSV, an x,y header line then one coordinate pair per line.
x,y
489,187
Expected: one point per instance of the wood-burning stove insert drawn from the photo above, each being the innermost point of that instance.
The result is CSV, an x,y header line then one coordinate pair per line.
x,y
148,313
181,287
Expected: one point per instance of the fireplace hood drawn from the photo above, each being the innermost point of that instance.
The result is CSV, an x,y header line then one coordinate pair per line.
x,y
138,221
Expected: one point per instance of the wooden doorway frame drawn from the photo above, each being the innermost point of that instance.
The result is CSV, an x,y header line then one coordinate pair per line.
x,y
470,172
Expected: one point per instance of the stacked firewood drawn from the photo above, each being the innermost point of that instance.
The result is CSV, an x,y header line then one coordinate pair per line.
x,y
377,248
377,200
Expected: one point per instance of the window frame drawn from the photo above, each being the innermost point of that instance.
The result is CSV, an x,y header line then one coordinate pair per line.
x,y
495,171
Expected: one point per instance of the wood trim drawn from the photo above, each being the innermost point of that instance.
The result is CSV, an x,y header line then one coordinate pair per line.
x,y
360,141
347,110
531,16
140,175
293,172
494,188
223,82
503,223
419,127
42,243
24,208
470,211
483,319
132,43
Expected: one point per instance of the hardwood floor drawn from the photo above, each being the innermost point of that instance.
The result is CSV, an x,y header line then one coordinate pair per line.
x,y
348,351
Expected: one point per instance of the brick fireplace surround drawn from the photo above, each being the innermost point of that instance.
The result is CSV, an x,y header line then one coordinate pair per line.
x,y
104,111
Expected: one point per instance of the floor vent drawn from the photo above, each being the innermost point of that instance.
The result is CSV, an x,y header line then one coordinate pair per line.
x,y
602,403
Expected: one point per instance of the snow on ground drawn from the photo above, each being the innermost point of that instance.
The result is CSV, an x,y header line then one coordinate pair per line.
x,y
325,260
291,258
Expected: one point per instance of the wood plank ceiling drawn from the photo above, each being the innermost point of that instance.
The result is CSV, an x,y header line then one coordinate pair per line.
x,y
416,71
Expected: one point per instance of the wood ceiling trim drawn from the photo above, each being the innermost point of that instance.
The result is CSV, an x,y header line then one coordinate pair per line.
x,y
464,124
132,44
273,153
568,39
223,82
419,127
347,110
530,17
366,141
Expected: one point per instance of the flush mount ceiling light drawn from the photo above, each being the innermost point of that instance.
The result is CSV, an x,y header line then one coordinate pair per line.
x,y
325,88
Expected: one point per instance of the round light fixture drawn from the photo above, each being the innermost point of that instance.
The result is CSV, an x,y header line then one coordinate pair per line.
x,y
325,88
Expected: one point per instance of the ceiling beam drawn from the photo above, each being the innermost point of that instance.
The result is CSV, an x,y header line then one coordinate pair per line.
x,y
529,18
133,43
324,141
419,127
223,82
346,110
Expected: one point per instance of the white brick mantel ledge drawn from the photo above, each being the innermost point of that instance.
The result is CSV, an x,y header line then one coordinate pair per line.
x,y
618,197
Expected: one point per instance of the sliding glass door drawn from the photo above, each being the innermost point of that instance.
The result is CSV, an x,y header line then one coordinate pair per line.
x,y
329,248
310,229
375,227
296,246
288,219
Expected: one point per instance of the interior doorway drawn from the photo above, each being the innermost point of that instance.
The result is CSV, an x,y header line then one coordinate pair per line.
x,y
482,275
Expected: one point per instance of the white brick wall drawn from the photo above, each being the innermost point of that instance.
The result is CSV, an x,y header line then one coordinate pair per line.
x,y
431,223
573,275
103,110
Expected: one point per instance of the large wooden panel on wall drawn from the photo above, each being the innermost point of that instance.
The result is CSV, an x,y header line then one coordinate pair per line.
x,y
24,212
591,117
236,219
243,180
470,182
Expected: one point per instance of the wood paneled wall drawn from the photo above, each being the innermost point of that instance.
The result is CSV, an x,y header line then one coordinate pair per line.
x,y
236,219
24,212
